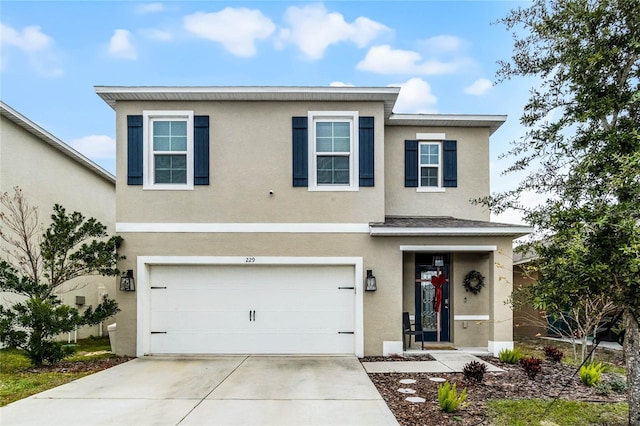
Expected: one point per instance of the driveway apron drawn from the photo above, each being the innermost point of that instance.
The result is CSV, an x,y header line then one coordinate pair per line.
x,y
229,390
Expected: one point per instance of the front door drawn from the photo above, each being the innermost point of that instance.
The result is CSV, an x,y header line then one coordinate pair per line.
x,y
426,298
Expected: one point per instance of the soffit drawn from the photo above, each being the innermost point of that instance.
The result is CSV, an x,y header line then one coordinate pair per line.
x,y
113,94
493,122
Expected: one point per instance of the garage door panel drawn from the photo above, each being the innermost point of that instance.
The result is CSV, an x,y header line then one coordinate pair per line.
x,y
252,309
195,343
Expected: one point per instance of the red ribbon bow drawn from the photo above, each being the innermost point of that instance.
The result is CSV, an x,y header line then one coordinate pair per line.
x,y
438,282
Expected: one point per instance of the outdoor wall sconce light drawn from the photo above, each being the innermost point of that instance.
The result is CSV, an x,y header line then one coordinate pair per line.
x,y
438,261
127,282
371,281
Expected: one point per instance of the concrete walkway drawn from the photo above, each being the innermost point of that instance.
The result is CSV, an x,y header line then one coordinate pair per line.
x,y
445,362
233,390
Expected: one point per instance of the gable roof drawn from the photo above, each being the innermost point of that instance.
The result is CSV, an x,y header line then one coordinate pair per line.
x,y
20,120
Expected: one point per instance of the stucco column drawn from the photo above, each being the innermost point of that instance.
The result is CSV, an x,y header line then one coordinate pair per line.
x,y
501,286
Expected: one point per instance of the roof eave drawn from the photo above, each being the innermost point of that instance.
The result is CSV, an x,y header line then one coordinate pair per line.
x,y
386,231
112,94
493,122
37,131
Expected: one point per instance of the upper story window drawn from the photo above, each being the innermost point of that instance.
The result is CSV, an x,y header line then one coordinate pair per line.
x,y
430,165
168,149
333,151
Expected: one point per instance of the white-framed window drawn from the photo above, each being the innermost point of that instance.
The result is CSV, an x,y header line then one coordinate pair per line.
x,y
430,166
168,149
333,151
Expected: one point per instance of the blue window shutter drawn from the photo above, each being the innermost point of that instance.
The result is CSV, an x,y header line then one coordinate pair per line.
x,y
449,164
366,152
300,151
134,149
201,150
411,164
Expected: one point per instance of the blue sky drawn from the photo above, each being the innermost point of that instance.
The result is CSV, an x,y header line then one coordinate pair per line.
x,y
442,54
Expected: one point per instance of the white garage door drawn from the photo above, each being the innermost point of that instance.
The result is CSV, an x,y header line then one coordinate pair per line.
x,y
255,309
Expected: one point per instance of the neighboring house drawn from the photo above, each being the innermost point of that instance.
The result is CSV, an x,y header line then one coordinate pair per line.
x,y
48,171
253,215
527,321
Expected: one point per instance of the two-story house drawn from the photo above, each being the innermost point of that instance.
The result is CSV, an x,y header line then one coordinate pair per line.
x,y
303,220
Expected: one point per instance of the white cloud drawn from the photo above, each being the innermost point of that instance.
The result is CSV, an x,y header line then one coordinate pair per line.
x,y
479,87
146,8
340,84
237,29
385,60
155,34
313,29
36,45
443,43
121,46
95,146
415,97
30,39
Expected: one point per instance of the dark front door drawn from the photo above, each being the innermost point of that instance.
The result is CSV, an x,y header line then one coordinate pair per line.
x,y
425,299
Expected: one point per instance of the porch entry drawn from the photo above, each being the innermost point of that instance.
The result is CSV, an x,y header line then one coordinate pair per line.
x,y
432,301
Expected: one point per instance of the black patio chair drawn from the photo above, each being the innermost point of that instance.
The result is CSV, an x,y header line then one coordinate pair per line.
x,y
407,330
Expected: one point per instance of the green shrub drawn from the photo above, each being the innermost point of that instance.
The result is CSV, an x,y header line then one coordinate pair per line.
x,y
603,388
590,374
510,356
552,353
532,366
618,384
474,370
449,399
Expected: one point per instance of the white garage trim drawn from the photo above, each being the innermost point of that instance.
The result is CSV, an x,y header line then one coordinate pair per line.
x,y
144,263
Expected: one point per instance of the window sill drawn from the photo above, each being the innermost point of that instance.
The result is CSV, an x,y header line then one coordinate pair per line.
x,y
431,189
167,187
333,188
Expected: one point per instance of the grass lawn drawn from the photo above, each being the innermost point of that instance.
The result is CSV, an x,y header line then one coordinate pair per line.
x,y
16,382
565,413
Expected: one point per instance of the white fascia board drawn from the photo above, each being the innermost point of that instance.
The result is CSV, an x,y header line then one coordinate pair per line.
x,y
297,228
112,94
450,248
389,231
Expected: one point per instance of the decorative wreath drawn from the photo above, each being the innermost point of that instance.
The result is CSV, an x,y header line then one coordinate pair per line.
x,y
473,282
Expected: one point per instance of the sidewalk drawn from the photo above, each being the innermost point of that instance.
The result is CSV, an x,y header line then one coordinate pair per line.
x,y
448,361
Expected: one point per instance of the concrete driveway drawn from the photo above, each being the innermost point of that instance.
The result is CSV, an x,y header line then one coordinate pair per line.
x,y
229,390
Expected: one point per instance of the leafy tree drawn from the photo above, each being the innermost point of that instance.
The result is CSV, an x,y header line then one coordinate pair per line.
x,y
582,149
36,266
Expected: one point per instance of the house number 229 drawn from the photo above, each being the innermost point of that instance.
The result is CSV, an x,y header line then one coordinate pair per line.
x,y
249,260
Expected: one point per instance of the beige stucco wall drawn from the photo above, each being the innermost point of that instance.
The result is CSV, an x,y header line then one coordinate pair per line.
x,y
473,175
251,154
47,176
382,308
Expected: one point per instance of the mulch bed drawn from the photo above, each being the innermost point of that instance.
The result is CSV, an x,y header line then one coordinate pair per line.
x,y
513,383
421,357
89,366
